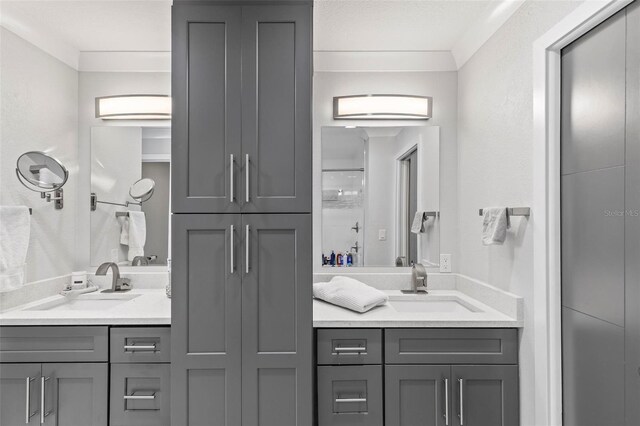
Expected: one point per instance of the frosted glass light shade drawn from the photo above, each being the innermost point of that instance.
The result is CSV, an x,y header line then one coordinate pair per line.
x,y
134,107
382,107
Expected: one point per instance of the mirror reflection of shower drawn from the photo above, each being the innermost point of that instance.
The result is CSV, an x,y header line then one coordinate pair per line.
x,y
343,199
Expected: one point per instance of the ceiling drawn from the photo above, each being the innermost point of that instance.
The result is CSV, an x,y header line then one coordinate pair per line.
x,y
96,25
424,29
392,25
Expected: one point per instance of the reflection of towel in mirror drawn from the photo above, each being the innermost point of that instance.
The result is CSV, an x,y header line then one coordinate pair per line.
x,y
134,233
15,228
418,223
494,225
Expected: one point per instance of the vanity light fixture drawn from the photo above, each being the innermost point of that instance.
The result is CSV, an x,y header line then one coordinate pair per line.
x,y
134,107
382,107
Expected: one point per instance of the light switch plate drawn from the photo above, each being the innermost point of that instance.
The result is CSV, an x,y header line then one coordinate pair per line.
x,y
445,263
382,234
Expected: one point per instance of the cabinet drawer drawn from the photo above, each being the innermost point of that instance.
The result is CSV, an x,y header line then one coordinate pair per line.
x,y
451,346
140,394
54,344
350,395
147,345
349,346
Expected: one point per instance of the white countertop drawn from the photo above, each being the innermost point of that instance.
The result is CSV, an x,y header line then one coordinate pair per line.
x,y
150,307
385,316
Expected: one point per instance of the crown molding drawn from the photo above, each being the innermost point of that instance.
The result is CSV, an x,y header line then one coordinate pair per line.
x,y
383,61
125,62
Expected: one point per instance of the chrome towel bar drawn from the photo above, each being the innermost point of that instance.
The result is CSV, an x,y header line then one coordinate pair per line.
x,y
513,211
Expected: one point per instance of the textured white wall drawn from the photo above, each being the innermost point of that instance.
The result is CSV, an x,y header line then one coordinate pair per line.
x,y
442,86
495,113
39,111
92,85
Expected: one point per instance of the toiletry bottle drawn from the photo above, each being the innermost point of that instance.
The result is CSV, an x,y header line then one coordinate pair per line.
x,y
332,259
339,259
349,259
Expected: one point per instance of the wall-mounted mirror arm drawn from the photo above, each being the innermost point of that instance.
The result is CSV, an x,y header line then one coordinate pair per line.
x,y
95,201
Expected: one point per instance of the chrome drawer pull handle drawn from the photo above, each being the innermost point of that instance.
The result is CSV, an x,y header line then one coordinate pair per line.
x,y
28,414
140,397
351,400
446,402
231,164
133,348
347,350
231,231
246,167
43,413
461,415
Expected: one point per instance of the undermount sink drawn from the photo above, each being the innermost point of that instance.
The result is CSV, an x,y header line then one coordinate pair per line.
x,y
86,302
426,303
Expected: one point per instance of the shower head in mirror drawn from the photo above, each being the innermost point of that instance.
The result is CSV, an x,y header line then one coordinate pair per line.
x,y
142,189
42,173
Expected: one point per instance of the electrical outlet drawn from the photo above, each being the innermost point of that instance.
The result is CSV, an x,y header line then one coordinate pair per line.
x,y
445,263
382,235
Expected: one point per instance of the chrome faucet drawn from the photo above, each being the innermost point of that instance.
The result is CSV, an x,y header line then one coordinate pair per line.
x,y
139,261
117,283
418,279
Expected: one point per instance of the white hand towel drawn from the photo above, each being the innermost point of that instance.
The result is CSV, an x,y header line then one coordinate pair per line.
x,y
418,223
15,228
124,230
137,234
494,225
349,293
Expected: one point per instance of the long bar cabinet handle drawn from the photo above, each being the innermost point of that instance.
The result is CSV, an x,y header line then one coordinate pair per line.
x,y
231,231
246,249
43,413
461,415
246,168
28,414
446,402
231,164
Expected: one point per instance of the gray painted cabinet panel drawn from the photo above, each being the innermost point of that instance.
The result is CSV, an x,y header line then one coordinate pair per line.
x,y
276,107
417,395
206,120
485,395
142,380
13,394
206,325
276,320
76,394
350,395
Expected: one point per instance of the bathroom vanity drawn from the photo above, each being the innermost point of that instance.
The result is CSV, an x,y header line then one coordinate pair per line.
x,y
96,359
443,358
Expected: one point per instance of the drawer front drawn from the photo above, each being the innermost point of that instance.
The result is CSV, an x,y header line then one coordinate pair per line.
x,y
54,344
140,394
349,346
451,346
350,395
143,344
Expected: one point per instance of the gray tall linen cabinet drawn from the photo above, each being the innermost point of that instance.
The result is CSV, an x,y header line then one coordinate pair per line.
x,y
241,222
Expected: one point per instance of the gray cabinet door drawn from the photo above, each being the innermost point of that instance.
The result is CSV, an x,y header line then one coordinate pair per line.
x,y
19,394
276,108
418,395
75,394
206,325
206,121
485,395
276,320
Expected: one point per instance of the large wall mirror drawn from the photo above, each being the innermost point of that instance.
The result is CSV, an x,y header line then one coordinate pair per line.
x,y
130,172
380,196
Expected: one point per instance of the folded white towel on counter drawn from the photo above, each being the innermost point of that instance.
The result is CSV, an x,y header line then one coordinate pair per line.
x,y
494,225
349,293
134,233
15,229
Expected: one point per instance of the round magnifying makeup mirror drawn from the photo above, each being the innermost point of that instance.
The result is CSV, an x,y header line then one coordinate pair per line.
x,y
142,189
42,173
